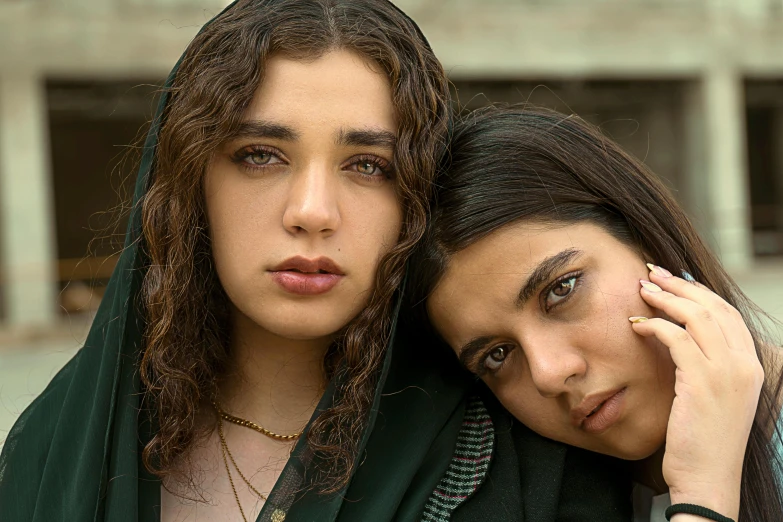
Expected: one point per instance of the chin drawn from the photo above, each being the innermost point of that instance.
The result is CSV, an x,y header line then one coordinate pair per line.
x,y
634,454
297,331
632,448
303,322
297,318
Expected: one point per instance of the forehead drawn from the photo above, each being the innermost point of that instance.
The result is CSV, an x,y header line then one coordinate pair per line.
x,y
339,87
480,286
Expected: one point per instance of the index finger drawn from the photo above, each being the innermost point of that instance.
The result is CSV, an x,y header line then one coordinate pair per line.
x,y
730,321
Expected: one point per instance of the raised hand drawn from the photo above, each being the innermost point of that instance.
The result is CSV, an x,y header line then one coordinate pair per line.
x,y
718,382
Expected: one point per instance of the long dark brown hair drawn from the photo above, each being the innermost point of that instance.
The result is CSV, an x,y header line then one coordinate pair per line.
x,y
510,164
186,312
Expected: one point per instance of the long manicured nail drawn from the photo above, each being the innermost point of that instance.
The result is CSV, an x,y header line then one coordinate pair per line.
x,y
688,277
650,287
658,270
637,319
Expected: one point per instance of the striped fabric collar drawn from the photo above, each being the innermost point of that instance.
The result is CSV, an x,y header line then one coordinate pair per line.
x,y
469,465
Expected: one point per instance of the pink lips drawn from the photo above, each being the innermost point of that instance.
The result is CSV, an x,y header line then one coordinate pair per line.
x,y
301,276
599,411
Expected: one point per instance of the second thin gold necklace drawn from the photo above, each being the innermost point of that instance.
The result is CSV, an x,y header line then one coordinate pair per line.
x,y
226,453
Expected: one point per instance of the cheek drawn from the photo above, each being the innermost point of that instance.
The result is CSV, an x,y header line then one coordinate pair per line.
x,y
605,326
240,227
642,363
373,225
522,400
390,216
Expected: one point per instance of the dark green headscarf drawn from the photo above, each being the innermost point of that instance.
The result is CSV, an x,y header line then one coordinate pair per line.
x,y
74,454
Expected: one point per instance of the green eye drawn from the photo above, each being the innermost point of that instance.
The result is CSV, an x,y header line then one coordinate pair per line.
x,y
256,157
260,158
367,168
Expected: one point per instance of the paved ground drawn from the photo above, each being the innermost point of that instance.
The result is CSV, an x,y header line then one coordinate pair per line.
x,y
28,363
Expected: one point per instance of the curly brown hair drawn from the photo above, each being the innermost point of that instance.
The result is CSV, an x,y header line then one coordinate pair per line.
x,y
185,308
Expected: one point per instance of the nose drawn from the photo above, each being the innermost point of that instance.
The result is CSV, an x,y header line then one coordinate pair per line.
x,y
554,366
312,206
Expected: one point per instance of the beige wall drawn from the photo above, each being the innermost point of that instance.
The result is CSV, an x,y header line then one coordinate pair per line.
x,y
474,39
686,61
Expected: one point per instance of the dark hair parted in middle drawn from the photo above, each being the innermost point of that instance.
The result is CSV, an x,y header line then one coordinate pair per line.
x,y
513,164
186,310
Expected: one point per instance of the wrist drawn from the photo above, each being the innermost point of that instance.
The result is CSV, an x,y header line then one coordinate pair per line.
x,y
694,513
723,500
683,517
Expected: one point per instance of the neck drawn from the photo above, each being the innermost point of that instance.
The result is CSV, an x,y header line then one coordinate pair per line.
x,y
649,472
271,380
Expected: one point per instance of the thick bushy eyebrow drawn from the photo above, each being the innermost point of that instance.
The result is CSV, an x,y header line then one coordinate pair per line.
x,y
367,138
544,272
346,137
264,129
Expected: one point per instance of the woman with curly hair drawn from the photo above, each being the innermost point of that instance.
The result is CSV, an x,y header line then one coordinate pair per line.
x,y
245,363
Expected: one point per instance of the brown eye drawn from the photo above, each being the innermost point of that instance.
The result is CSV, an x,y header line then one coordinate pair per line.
x,y
561,291
564,288
495,358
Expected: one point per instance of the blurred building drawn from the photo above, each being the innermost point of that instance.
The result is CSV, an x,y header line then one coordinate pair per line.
x,y
693,87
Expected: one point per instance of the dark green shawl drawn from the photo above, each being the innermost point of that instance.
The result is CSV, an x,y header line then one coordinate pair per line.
x,y
74,454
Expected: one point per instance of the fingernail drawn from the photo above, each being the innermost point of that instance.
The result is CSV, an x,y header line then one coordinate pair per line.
x,y
650,287
637,319
658,270
688,277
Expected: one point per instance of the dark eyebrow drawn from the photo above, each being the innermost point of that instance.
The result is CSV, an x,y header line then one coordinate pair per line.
x,y
264,129
367,138
544,272
469,350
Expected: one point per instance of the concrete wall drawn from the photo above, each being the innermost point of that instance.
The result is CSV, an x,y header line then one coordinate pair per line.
x,y
704,50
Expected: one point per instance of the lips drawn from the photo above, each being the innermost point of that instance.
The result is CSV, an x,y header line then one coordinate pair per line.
x,y
599,411
322,265
301,276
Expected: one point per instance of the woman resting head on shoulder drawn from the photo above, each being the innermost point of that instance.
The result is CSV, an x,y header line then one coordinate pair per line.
x,y
246,344
535,272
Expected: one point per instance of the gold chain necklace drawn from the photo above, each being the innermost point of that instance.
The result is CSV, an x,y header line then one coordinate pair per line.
x,y
225,451
253,426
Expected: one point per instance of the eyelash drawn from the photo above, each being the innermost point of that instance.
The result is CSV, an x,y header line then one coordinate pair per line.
x,y
382,165
240,158
483,370
577,276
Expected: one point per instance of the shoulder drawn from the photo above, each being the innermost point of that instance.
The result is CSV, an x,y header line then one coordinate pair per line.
x,y
500,469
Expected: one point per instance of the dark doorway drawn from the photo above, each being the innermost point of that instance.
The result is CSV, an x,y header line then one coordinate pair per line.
x,y
765,165
95,130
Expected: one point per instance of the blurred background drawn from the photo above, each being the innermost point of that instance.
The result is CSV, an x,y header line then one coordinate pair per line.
x,y
693,87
